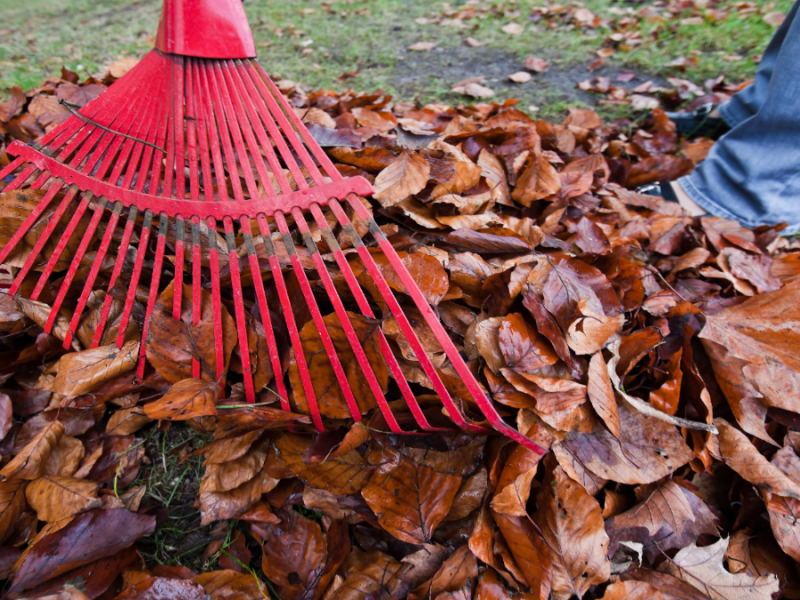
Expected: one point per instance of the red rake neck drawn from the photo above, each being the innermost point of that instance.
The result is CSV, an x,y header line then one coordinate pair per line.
x,y
205,29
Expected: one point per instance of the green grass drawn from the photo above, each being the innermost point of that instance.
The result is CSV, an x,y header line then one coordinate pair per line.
x,y
314,42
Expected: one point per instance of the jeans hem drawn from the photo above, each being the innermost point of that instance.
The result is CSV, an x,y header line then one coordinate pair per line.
x,y
731,115
716,210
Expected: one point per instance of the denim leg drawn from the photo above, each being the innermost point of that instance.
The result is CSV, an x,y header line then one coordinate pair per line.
x,y
746,103
752,174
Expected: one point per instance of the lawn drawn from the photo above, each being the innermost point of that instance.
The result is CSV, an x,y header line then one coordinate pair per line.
x,y
318,42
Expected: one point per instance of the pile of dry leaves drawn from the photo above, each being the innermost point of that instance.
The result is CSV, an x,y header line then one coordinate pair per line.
x,y
655,356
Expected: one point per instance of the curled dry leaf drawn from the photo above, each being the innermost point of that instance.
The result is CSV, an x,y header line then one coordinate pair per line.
x,y
405,176
31,461
345,474
648,449
55,498
571,522
81,372
703,568
410,500
187,399
601,394
88,537
670,517
744,458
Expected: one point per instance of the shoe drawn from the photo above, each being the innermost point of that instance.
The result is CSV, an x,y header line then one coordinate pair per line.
x,y
659,190
698,123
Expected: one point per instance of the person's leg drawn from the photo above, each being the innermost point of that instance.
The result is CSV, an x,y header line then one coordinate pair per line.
x,y
752,174
746,103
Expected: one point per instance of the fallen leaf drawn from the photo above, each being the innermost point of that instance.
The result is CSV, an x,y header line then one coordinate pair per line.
x,y
88,537
55,498
422,46
410,500
571,522
405,176
703,568
187,399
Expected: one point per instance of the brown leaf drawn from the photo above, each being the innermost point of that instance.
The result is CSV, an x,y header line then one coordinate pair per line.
x,y
481,339
12,503
327,388
88,537
572,524
744,458
755,349
187,399
591,331
410,500
535,64
632,590
55,498
670,517
294,550
82,372
523,349
405,176
229,584
217,506
539,180
30,462
703,568
648,450
345,474
172,344
513,498
13,107
601,394
530,552
231,474
367,575
127,421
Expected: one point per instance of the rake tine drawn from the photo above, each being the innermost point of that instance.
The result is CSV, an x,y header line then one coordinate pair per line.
x,y
316,315
121,255
62,244
268,92
20,179
161,240
247,92
60,136
352,336
451,351
44,238
10,168
209,127
291,325
196,286
260,94
401,319
144,239
263,308
238,305
216,303
366,309
177,288
88,237
176,92
31,219
95,270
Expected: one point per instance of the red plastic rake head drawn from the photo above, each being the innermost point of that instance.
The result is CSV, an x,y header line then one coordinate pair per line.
x,y
197,137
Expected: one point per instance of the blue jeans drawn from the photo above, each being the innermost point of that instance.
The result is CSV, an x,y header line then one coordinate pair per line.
x,y
752,174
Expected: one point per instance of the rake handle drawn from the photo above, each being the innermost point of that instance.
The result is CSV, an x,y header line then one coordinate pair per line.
x,y
205,29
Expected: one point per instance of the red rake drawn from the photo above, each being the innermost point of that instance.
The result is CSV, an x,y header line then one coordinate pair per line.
x,y
200,104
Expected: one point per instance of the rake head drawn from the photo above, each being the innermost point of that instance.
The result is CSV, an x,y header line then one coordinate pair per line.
x,y
192,160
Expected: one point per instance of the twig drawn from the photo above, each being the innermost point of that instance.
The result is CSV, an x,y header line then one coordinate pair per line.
x,y
71,108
